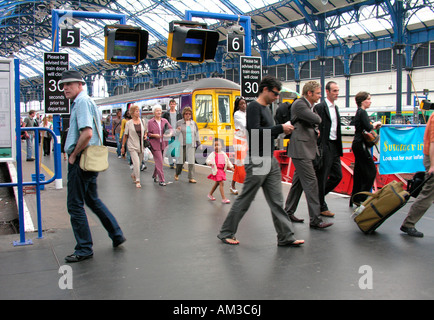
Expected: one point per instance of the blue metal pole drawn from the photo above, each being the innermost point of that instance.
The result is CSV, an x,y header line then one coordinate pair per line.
x,y
38,183
19,184
245,22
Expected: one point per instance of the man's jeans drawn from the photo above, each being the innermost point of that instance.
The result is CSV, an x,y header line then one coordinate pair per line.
x,y
118,144
82,189
29,144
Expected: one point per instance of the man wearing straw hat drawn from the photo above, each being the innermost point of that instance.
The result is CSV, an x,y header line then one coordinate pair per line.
x,y
82,187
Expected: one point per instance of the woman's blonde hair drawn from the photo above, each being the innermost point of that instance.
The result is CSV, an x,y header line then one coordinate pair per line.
x,y
133,108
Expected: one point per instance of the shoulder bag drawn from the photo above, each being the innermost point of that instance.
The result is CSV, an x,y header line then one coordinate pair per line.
x,y
371,138
95,158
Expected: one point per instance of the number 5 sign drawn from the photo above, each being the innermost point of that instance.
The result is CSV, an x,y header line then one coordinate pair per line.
x,y
70,37
251,75
54,64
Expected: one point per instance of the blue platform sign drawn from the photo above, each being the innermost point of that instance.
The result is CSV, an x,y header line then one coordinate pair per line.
x,y
401,150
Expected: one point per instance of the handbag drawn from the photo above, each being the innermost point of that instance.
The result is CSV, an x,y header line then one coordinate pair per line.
x,y
94,158
371,138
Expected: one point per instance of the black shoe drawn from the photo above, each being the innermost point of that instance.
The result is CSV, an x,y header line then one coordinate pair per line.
x,y
30,159
162,184
321,225
75,258
412,232
118,242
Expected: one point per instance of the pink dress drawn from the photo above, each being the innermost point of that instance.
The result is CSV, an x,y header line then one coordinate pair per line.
x,y
221,174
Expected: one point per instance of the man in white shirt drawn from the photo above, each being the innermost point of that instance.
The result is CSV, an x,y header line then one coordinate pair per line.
x,y
330,141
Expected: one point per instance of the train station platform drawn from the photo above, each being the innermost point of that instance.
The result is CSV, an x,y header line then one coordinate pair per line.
x,y
172,252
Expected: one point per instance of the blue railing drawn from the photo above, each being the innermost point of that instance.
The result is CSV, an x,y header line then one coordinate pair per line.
x,y
37,183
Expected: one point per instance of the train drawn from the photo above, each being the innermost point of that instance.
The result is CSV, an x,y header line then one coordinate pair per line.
x,y
211,99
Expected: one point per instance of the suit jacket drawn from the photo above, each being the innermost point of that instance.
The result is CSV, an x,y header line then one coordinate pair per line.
x,y
303,144
153,128
324,128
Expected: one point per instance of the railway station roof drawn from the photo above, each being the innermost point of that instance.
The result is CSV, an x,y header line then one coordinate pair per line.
x,y
278,26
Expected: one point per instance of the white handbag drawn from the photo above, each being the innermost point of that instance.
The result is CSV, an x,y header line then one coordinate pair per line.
x,y
95,158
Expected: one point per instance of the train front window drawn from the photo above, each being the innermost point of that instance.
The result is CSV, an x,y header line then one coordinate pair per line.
x,y
224,109
204,108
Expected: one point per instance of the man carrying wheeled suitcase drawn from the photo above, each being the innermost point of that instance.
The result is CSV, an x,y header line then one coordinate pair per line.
x,y
426,196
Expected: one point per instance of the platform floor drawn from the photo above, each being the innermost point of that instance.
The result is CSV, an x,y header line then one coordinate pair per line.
x,y
172,252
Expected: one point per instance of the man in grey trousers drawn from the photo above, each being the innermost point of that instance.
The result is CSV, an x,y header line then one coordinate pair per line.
x,y
303,150
262,169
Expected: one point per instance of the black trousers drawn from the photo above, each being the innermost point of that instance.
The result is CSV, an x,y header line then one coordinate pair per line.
x,y
364,170
330,174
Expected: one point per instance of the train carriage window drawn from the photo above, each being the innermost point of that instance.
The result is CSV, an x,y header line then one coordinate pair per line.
x,y
224,109
204,108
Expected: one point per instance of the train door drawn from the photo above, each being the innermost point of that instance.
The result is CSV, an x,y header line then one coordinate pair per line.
x,y
204,115
224,114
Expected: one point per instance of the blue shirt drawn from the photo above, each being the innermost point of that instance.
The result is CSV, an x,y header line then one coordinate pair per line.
x,y
83,110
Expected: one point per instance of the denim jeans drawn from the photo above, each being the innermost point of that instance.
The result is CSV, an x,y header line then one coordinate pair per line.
x,y
29,145
118,144
82,189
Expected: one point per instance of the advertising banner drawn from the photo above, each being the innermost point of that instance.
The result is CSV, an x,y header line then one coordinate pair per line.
x,y
401,149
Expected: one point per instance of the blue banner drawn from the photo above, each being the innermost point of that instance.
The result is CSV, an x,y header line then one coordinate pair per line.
x,y
401,149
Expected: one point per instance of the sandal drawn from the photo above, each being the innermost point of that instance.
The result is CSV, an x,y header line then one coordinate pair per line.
x,y
211,197
231,241
226,201
138,185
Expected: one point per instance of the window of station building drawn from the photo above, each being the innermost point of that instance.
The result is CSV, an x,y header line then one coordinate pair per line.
x,y
373,61
370,61
422,55
384,60
432,54
282,72
312,69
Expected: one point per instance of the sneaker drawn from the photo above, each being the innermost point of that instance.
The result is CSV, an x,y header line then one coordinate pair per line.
x,y
131,167
143,167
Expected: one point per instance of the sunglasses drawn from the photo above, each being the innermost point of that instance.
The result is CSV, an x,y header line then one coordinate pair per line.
x,y
275,93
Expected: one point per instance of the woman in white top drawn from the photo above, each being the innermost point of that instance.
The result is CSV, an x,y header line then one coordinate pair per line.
x,y
135,132
46,136
239,142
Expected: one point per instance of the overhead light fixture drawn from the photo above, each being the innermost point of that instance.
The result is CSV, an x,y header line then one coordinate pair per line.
x,y
349,42
324,2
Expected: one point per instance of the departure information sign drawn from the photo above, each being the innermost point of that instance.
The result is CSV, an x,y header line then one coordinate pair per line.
x,y
251,75
54,64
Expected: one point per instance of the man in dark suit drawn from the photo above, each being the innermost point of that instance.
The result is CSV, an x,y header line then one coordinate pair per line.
x,y
330,141
303,150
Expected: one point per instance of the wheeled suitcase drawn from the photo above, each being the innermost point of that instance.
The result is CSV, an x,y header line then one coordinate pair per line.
x,y
379,206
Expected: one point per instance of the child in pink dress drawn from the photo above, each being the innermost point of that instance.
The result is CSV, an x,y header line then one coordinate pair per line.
x,y
219,162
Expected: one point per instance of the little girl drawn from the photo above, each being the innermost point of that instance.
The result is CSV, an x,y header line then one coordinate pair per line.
x,y
219,162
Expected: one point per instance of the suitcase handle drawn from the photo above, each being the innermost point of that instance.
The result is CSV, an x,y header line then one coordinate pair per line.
x,y
422,184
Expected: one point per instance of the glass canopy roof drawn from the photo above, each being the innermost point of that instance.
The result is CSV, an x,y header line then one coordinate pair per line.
x,y
25,26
